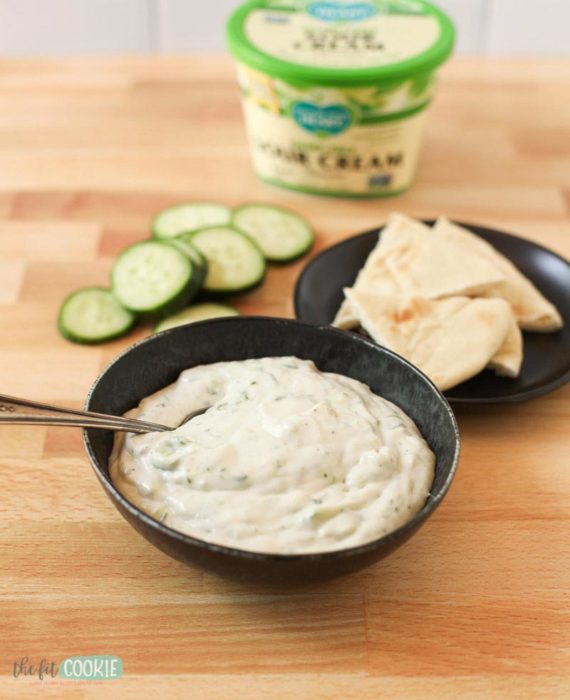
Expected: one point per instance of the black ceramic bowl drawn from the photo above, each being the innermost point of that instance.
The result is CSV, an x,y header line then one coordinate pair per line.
x,y
156,362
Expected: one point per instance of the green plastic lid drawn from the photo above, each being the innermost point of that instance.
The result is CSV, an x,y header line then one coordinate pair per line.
x,y
340,42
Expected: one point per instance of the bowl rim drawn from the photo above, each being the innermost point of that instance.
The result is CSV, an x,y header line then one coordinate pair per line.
x,y
431,504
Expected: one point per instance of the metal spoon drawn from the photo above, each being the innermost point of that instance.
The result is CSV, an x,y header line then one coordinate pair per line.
x,y
23,412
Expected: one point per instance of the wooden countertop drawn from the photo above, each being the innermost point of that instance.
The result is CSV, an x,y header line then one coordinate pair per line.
x,y
475,606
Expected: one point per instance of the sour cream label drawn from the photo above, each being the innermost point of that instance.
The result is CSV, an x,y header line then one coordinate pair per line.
x,y
320,37
287,459
335,91
324,146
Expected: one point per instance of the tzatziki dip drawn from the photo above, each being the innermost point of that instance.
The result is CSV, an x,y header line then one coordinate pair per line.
x,y
286,459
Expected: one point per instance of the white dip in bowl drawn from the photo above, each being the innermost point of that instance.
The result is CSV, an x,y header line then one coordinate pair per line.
x,y
286,460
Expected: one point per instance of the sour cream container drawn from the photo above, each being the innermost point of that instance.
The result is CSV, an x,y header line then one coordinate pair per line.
x,y
335,92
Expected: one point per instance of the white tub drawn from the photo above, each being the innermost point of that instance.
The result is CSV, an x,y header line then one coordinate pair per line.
x,y
335,92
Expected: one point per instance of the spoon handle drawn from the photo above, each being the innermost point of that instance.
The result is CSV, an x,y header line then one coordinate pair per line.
x,y
16,411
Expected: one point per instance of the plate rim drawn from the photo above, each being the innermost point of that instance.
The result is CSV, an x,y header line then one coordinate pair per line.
x,y
521,396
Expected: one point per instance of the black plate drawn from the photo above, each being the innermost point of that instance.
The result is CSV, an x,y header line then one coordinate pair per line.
x,y
546,366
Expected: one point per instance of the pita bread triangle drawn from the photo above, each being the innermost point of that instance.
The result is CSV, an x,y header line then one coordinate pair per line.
x,y
532,311
450,340
408,260
508,360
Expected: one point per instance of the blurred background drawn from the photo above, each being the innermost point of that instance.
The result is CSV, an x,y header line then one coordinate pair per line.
x,y
68,27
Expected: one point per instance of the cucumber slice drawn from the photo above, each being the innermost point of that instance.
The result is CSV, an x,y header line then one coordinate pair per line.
x,y
235,263
153,278
93,315
198,312
189,216
199,262
281,234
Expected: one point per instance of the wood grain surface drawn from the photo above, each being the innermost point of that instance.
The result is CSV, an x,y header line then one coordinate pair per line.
x,y
475,606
